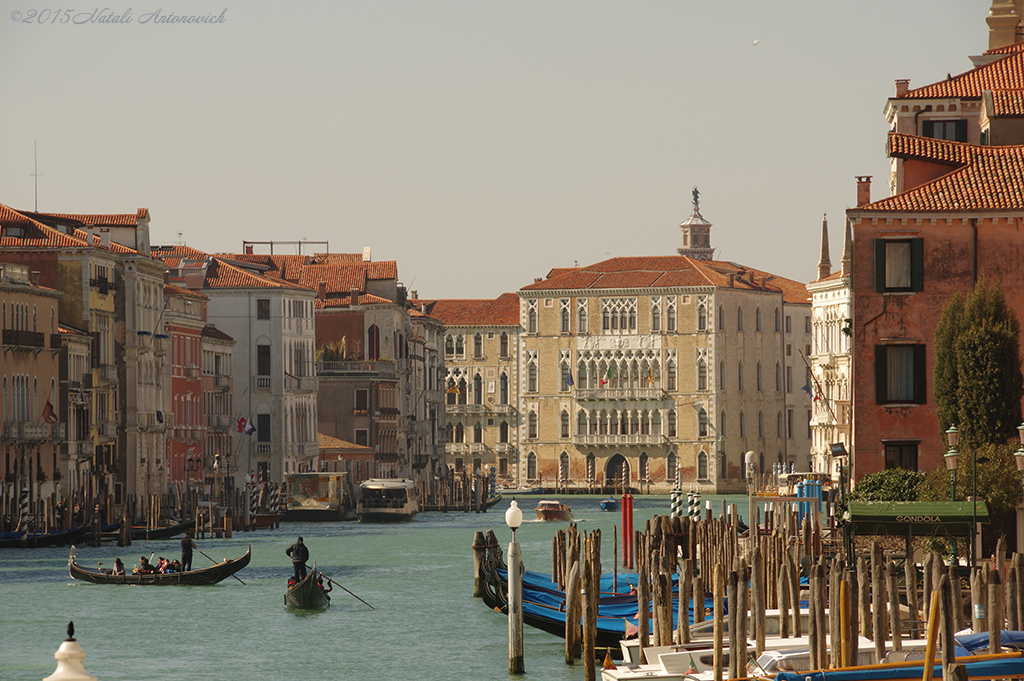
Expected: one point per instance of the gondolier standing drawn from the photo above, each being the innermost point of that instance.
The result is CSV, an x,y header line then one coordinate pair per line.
x,y
299,554
187,544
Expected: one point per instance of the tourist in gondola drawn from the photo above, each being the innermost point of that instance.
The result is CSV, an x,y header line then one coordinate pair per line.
x,y
118,567
145,567
299,554
325,588
187,545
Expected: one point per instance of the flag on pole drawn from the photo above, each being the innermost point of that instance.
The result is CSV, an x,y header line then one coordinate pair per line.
x,y
49,415
250,427
568,380
650,378
241,424
807,389
608,375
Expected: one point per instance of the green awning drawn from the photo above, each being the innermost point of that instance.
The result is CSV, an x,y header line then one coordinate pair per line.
x,y
921,518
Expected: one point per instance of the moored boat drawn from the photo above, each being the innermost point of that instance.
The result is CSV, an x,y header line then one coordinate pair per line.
x,y
387,500
33,540
307,593
141,533
610,504
201,577
553,510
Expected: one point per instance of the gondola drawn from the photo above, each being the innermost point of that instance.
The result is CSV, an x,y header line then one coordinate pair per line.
x,y
140,533
307,594
201,577
33,540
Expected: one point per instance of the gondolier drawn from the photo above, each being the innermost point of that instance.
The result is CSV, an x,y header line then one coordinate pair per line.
x,y
187,545
299,554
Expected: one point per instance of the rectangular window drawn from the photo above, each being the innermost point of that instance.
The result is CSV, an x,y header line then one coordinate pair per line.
x,y
807,324
263,427
262,360
900,374
362,399
899,265
262,308
362,437
901,455
954,130
789,324
789,424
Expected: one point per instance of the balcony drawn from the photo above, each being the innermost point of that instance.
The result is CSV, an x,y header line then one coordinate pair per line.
x,y
144,339
345,368
27,431
222,382
58,431
219,422
192,373
620,394
263,382
106,373
262,449
83,449
503,408
160,344
24,339
476,447
107,430
618,439
300,384
150,420
455,448
464,408
103,284
503,448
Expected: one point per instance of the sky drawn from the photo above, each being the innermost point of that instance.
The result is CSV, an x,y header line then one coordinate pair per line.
x,y
479,144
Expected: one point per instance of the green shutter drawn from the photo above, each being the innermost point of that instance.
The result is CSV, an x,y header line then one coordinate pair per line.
x,y
917,264
879,265
920,389
881,385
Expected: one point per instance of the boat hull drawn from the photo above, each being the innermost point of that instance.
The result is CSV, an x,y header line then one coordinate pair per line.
x,y
306,594
201,577
554,511
145,533
13,540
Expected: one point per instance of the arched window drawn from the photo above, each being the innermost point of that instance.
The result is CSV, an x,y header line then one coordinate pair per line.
x,y
655,320
670,376
721,318
478,346
778,321
531,378
503,347
702,375
503,388
757,319
531,320
460,348
739,376
721,375
739,319
581,422
743,424
373,343
671,423
531,426
655,423
670,318
564,316
721,424
449,432
778,424
645,462
451,392
778,377
702,423
670,468
564,423
478,390
460,433
702,465
531,466
478,432
566,379
582,377
760,424
503,431
702,317
757,376
463,390
563,466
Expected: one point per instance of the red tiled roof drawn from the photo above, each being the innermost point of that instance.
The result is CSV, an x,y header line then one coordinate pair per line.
x,y
178,290
364,299
1007,49
220,274
35,233
1007,102
328,442
111,220
1006,73
338,278
290,267
502,311
669,271
214,332
988,178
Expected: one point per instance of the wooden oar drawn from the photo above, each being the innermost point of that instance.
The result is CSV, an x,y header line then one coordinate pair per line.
x,y
215,563
344,589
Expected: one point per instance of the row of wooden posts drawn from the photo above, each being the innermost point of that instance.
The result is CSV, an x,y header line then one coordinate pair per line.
x,y
848,597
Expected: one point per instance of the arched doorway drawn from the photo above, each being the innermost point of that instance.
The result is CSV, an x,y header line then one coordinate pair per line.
x,y
617,473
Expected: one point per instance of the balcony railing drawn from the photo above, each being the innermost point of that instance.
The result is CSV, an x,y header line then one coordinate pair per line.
x,y
28,431
503,408
58,431
263,449
302,384
192,373
108,430
107,372
219,422
28,339
502,448
222,382
144,339
620,394
455,447
84,448
263,382
464,408
356,368
476,447
618,439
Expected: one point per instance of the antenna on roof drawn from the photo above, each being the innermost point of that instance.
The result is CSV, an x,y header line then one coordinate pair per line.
x,y
179,239
35,173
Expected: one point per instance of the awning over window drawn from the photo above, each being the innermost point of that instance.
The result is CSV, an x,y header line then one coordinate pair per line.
x,y
925,518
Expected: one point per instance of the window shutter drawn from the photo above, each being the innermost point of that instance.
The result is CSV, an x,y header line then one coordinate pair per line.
x,y
879,265
881,385
920,394
961,131
917,264
927,129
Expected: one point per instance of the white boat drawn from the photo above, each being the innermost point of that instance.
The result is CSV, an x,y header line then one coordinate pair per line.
x,y
387,500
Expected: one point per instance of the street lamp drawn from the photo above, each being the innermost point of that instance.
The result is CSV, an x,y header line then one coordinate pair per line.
x,y
514,518
952,456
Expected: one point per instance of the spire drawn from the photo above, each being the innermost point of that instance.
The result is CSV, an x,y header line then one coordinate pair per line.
x,y
696,233
824,263
847,261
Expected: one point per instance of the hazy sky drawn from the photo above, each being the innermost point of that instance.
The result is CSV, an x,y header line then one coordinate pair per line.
x,y
477,143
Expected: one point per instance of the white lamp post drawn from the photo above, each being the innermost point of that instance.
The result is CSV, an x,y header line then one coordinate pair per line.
x,y
514,518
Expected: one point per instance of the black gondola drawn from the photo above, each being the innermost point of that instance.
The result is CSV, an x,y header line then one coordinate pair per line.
x,y
307,594
140,533
201,577
16,540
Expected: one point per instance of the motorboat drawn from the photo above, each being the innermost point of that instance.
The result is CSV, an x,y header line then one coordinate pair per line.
x,y
553,510
387,500
611,504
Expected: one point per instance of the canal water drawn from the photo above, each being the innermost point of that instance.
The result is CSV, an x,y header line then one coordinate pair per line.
x,y
418,577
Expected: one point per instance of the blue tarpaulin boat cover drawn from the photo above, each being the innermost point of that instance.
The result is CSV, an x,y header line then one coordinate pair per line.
x,y
988,669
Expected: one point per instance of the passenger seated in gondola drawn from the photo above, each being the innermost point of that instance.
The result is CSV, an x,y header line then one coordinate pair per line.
x,y
161,565
175,566
118,567
291,582
326,589
145,567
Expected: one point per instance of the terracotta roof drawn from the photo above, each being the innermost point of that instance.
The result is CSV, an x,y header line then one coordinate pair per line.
x,y
110,220
290,267
987,178
1006,73
669,271
63,328
35,233
180,251
338,278
213,332
1007,49
1007,102
179,291
502,311
223,275
328,442
364,299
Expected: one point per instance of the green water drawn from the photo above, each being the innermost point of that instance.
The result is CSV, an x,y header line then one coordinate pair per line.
x,y
418,576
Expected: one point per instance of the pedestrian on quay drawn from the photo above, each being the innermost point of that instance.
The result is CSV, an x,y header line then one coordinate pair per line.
x,y
299,554
187,545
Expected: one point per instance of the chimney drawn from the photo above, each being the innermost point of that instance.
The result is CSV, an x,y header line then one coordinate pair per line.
x,y
34,277
902,85
321,290
105,237
732,280
353,296
414,295
248,249
537,280
863,190
366,254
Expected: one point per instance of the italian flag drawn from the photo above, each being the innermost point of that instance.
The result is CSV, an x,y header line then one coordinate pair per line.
x,y
608,375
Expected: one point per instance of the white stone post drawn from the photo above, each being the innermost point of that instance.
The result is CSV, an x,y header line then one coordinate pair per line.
x,y
69,660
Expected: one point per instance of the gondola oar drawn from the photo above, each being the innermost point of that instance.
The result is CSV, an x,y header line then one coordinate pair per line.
x,y
215,563
344,589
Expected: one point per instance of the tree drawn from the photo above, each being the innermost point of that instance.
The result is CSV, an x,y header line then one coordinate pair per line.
x,y
977,378
894,484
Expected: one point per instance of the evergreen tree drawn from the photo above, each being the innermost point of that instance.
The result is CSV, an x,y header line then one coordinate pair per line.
x,y
978,380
